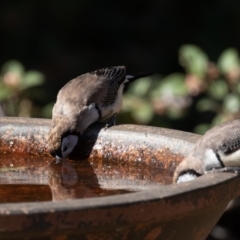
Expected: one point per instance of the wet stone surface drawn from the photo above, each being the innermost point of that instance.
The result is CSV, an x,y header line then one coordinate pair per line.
x,y
32,179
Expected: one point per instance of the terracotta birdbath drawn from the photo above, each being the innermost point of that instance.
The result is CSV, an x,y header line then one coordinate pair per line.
x,y
116,185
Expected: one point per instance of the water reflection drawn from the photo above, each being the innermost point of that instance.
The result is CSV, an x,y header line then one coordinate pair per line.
x,y
69,180
30,179
23,180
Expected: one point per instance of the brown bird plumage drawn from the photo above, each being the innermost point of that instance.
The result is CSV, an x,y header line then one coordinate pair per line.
x,y
218,148
91,97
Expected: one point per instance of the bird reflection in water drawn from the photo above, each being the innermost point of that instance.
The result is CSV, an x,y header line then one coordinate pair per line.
x,y
98,177
72,180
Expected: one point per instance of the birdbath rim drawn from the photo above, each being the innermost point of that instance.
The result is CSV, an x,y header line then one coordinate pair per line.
x,y
39,127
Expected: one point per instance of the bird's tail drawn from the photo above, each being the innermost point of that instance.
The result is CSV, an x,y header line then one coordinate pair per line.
x,y
133,77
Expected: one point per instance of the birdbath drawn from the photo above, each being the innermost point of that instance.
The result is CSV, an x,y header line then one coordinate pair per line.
x,y
116,185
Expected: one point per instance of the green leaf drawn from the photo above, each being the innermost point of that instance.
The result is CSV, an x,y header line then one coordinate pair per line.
x,y
175,113
231,103
5,92
129,101
31,79
47,110
218,89
206,104
173,85
141,87
201,128
13,66
228,60
238,88
219,119
193,59
140,110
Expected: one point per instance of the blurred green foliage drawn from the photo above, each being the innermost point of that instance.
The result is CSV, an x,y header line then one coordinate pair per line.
x,y
205,87
14,81
176,101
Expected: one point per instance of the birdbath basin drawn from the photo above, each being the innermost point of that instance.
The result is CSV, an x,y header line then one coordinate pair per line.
x,y
116,185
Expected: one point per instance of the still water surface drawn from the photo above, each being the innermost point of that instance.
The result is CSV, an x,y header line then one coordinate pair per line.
x,y
31,179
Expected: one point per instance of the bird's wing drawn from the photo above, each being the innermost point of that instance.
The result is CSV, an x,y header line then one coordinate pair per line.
x,y
224,138
231,143
79,92
99,87
114,77
113,74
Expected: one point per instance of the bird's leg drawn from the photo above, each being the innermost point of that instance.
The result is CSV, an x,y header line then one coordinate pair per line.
x,y
111,122
225,169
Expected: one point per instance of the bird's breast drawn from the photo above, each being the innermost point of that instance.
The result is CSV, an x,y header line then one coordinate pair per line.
x,y
231,160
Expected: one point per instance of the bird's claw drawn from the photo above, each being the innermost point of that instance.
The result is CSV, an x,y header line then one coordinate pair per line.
x,y
111,122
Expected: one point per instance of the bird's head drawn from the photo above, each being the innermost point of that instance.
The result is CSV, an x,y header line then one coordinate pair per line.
x,y
189,169
62,139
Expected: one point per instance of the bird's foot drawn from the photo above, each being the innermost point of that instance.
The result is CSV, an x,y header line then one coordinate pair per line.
x,y
225,169
111,122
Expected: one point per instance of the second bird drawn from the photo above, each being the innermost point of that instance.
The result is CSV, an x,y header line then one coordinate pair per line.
x,y
218,150
91,97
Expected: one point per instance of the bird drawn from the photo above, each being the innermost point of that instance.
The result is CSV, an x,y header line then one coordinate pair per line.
x,y
91,97
218,150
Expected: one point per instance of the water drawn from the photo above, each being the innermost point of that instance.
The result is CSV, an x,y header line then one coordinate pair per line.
x,y
33,179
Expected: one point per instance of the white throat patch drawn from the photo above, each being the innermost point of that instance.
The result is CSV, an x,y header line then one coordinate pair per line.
x,y
210,160
186,177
